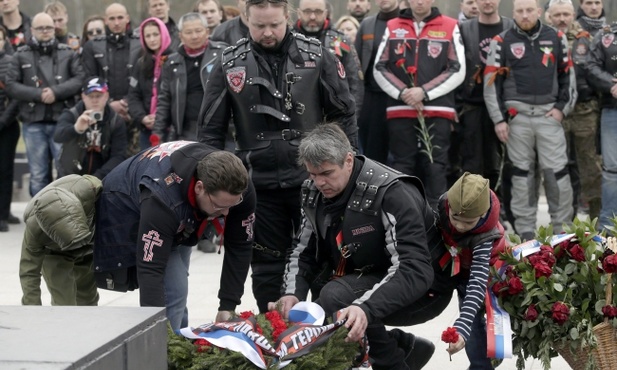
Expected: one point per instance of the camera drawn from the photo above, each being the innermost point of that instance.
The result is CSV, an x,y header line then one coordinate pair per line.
x,y
97,116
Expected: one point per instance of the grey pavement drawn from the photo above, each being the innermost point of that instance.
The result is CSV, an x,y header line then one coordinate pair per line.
x,y
203,303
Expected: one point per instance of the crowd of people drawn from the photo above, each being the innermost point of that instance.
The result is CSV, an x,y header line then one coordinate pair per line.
x,y
471,114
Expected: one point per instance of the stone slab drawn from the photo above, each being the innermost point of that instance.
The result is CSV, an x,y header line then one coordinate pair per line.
x,y
43,337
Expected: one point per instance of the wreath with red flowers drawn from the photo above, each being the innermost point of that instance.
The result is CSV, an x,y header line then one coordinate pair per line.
x,y
198,354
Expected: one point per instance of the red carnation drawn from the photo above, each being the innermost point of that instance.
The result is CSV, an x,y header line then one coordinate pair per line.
x,y
449,335
154,140
510,271
577,252
512,112
400,62
412,70
609,311
531,314
609,264
246,314
515,286
561,312
278,325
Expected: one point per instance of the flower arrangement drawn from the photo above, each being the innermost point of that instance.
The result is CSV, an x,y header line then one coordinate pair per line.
x,y
553,288
200,354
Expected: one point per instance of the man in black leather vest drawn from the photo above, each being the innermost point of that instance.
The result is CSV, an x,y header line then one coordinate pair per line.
x,y
370,226
278,85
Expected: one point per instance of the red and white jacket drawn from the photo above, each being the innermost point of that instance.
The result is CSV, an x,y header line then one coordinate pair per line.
x,y
427,54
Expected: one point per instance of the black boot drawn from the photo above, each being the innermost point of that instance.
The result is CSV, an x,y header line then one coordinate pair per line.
x,y
418,351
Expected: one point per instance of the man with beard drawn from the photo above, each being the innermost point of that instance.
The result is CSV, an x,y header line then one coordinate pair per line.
x,y
314,21
154,206
529,86
112,57
581,124
57,11
359,9
277,85
372,126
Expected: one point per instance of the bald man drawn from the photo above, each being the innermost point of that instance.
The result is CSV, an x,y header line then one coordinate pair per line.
x,y
42,96
112,57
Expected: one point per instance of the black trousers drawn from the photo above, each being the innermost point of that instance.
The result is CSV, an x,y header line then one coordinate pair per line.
x,y
9,137
341,292
408,156
481,151
277,218
373,126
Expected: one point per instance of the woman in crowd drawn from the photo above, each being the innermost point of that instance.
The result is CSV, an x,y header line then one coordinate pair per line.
x,y
9,135
349,26
143,90
93,26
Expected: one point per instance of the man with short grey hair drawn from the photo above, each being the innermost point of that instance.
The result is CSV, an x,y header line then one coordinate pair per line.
x,y
183,80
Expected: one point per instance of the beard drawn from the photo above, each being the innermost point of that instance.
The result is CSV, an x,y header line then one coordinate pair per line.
x,y
269,43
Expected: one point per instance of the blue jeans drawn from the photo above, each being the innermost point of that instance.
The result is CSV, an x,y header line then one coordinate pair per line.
x,y
177,286
39,138
475,348
608,135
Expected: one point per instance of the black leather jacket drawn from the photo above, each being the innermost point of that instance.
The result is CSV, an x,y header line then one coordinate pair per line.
x,y
32,70
171,103
603,64
8,108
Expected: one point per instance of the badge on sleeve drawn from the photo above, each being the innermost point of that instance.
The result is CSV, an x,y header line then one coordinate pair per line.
x,y
518,49
607,39
340,69
236,78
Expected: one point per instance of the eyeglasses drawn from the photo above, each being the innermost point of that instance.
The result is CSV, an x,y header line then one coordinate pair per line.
x,y
317,12
216,207
44,28
95,31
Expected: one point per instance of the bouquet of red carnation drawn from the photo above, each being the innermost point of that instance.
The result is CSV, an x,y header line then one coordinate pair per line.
x,y
553,288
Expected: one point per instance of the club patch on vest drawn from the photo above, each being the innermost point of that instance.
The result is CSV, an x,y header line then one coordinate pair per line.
x,y
434,49
518,49
340,69
236,77
307,64
400,33
607,40
362,230
581,49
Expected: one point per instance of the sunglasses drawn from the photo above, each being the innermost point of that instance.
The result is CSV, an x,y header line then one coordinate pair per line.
x,y
95,31
216,207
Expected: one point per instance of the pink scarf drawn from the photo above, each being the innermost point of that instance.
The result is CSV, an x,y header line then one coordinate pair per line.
x,y
159,58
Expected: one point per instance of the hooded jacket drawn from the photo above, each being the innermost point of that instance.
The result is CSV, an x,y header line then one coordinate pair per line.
x,y
59,219
144,85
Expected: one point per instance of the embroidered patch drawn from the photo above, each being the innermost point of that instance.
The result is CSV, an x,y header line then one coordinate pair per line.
x,y
340,69
400,48
440,34
168,180
400,33
607,39
518,49
236,77
362,230
248,226
581,49
434,49
546,42
151,240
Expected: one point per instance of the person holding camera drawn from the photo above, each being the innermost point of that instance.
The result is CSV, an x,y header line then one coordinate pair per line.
x,y
92,134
